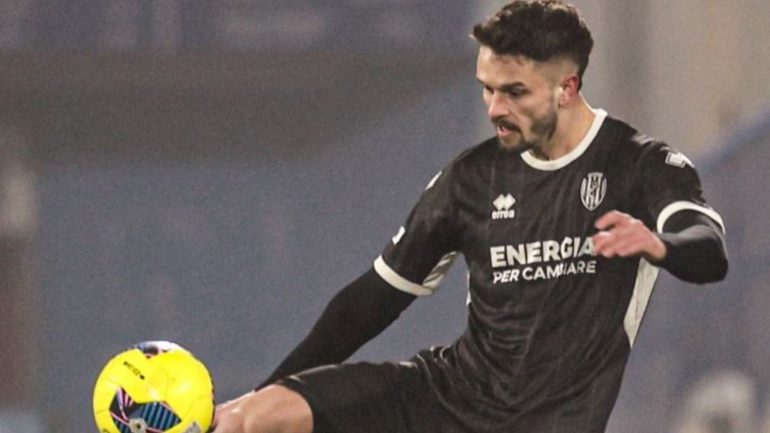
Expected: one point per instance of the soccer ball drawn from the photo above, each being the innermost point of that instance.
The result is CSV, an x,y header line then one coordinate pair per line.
x,y
154,387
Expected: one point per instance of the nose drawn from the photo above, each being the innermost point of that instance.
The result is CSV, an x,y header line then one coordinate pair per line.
x,y
496,106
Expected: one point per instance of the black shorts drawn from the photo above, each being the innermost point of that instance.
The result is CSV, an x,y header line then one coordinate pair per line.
x,y
371,398
422,397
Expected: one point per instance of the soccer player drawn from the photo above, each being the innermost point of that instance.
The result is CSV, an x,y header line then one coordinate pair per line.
x,y
564,219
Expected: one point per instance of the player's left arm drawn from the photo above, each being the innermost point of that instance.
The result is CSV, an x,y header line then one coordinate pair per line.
x,y
691,245
688,239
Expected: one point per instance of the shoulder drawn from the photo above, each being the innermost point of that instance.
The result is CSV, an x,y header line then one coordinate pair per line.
x,y
467,165
480,154
638,146
472,160
627,138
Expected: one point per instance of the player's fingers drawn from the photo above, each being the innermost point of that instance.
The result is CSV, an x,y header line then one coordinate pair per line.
x,y
610,219
605,248
645,244
607,245
631,247
623,240
621,250
629,240
612,235
601,239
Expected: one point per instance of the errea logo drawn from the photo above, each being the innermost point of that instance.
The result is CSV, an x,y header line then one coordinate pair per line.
x,y
503,204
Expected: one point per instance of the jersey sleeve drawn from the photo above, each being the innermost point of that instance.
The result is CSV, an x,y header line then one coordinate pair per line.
x,y
670,184
423,249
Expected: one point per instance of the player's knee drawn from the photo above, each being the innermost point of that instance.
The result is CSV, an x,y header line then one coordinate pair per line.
x,y
277,409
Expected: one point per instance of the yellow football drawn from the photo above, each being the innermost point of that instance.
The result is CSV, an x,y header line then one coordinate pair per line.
x,y
154,387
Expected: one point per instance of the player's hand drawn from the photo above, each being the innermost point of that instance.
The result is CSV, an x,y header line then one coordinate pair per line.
x,y
621,235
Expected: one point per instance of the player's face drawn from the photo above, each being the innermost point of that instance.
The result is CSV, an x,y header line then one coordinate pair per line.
x,y
521,101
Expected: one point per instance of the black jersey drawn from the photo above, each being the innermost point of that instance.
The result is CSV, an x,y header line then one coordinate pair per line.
x,y
550,324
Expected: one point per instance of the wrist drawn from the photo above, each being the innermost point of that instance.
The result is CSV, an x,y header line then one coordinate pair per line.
x,y
658,252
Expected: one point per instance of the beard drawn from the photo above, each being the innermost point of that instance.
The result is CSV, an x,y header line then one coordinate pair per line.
x,y
542,130
520,146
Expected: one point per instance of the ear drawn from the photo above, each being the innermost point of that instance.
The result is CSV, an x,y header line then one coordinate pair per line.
x,y
569,89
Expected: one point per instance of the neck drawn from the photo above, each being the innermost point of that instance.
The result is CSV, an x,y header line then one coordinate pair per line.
x,y
573,124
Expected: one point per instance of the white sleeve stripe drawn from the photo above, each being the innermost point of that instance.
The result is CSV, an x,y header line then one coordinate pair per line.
x,y
677,206
397,281
439,271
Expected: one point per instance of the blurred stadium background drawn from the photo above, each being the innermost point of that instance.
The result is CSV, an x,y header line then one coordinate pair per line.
x,y
211,172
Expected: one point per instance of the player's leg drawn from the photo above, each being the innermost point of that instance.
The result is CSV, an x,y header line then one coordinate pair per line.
x,y
274,409
368,398
349,398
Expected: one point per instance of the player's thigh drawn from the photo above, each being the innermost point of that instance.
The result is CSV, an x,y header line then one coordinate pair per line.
x,y
366,398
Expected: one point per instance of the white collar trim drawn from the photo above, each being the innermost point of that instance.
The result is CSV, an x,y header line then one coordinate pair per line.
x,y
563,161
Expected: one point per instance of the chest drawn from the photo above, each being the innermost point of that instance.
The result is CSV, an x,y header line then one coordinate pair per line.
x,y
519,205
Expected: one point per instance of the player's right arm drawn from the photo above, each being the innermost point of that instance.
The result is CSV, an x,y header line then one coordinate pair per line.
x,y
355,315
411,265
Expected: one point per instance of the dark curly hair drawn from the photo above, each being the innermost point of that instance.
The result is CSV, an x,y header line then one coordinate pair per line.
x,y
539,30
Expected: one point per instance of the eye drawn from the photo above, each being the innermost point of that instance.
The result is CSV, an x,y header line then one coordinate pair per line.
x,y
515,93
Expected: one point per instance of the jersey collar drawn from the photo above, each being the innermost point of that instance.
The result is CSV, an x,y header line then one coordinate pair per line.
x,y
558,163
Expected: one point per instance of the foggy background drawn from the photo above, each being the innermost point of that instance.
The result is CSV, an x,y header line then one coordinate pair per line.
x,y
212,172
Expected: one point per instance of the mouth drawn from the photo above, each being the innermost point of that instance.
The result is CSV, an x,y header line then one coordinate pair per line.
x,y
505,128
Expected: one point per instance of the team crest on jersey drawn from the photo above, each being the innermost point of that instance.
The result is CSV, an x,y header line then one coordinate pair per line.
x,y
678,159
592,190
503,207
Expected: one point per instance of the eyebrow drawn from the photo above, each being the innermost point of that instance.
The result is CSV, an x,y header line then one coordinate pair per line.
x,y
518,85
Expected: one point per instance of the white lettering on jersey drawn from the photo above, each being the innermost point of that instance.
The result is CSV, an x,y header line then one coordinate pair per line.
x,y
544,272
542,260
541,251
